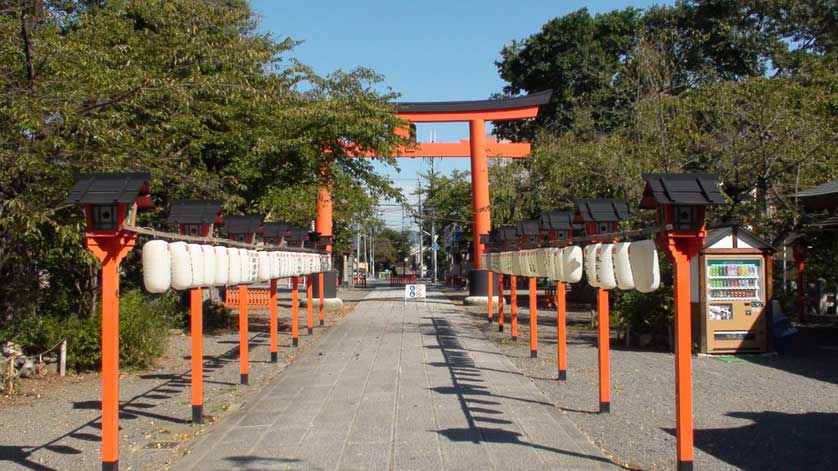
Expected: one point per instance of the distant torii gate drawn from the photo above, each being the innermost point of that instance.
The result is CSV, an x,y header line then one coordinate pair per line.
x,y
478,149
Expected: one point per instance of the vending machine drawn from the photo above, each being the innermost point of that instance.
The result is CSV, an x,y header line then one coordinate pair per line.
x,y
735,281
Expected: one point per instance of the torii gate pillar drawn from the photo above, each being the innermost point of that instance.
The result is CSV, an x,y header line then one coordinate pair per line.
x,y
323,225
481,215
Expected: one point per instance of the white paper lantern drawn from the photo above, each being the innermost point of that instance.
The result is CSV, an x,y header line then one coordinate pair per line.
x,y
283,264
622,266
590,252
549,266
235,266
264,266
574,260
514,263
643,256
222,266
244,266
247,266
209,264
157,266
275,265
181,266
541,255
558,264
196,257
605,267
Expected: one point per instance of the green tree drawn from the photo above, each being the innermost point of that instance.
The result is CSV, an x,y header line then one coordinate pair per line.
x,y
391,247
700,96
188,90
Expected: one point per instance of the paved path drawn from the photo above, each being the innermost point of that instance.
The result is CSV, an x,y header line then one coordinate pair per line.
x,y
401,388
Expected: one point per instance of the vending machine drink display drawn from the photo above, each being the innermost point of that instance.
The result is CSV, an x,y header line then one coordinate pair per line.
x,y
734,290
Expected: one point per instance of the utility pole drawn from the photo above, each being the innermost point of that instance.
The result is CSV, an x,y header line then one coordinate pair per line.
x,y
421,252
358,247
372,252
434,243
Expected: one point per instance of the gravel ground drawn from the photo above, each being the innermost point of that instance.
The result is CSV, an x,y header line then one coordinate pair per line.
x,y
55,424
750,412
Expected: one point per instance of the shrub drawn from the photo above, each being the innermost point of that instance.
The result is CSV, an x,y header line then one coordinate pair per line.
x,y
144,323
646,312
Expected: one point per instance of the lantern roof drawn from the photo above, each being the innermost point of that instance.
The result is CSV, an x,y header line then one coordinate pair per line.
x,y
243,224
275,229
295,234
111,188
528,227
557,220
508,233
601,210
685,189
195,212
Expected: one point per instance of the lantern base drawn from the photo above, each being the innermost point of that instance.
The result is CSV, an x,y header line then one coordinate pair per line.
x,y
478,283
480,301
562,375
295,342
685,466
604,407
500,328
274,357
110,465
197,414
533,353
243,378
330,304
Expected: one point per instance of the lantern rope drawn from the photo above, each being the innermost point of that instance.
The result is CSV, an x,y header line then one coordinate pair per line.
x,y
623,235
212,240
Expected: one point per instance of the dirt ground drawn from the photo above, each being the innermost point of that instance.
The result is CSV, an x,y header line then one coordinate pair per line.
x,y
751,412
55,423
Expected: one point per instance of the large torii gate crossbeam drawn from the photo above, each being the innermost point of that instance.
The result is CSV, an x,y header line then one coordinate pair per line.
x,y
477,148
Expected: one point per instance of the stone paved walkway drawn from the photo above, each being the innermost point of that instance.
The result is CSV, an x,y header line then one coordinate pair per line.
x,y
398,387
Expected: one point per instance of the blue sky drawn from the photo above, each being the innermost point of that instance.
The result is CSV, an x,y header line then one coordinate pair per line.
x,y
426,50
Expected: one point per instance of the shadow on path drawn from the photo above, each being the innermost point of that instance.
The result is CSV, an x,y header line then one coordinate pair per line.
x,y
128,409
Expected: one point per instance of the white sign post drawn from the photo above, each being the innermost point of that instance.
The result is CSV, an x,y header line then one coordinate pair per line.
x,y
414,292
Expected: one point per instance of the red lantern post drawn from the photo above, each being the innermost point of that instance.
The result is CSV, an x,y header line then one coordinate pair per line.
x,y
243,229
680,201
110,201
196,218
599,218
274,233
558,228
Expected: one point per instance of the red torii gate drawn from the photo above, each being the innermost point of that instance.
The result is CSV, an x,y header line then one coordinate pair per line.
x,y
477,148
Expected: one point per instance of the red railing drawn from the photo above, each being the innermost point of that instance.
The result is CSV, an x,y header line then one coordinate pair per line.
x,y
256,298
401,280
359,280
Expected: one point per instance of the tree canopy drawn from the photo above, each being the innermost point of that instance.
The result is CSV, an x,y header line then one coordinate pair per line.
x,y
190,91
744,89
